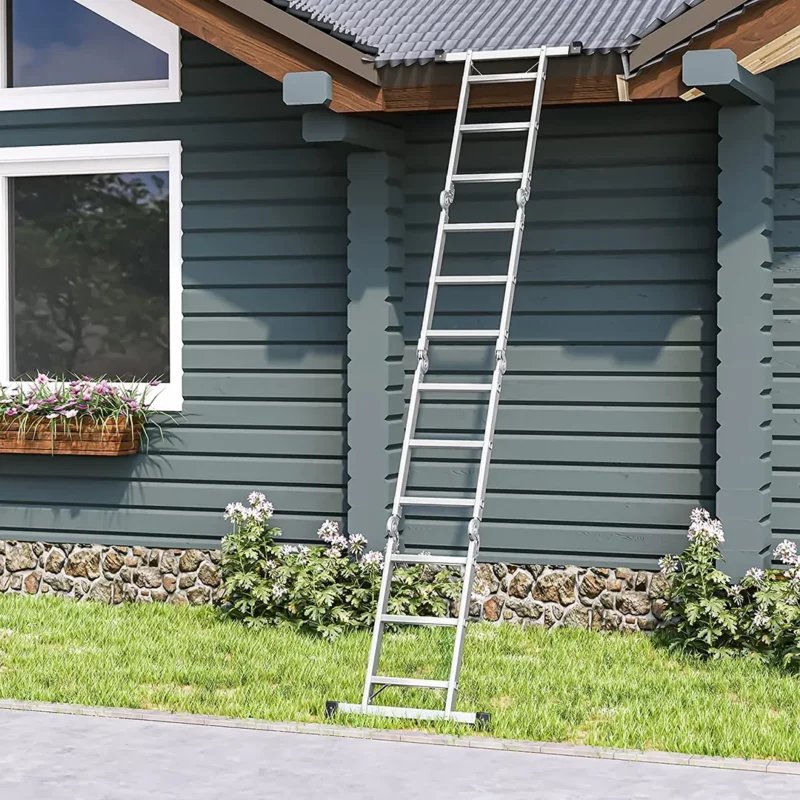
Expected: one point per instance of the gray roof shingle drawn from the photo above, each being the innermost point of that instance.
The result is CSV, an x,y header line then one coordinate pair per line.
x,y
405,32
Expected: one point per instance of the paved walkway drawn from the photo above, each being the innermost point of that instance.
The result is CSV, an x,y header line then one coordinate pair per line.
x,y
67,757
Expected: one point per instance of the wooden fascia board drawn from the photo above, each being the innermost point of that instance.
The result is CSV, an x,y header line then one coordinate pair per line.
x,y
748,35
264,49
275,54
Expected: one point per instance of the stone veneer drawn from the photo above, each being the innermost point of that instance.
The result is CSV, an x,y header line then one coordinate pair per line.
x,y
111,574
600,599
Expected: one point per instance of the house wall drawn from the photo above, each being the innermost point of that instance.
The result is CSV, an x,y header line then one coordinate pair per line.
x,y
264,302
786,331
605,435
606,431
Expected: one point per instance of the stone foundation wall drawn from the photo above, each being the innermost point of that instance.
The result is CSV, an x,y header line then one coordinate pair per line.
x,y
111,574
599,599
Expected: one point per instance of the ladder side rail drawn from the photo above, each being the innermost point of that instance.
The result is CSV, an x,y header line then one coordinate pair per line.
x,y
461,630
446,198
377,631
408,435
523,194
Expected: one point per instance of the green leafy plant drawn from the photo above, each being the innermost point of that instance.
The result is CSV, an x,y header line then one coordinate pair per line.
x,y
712,617
325,589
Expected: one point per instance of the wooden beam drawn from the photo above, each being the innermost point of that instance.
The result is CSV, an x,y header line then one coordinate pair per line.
x,y
262,48
559,90
784,49
753,30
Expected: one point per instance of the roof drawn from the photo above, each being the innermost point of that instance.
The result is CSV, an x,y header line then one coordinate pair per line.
x,y
406,32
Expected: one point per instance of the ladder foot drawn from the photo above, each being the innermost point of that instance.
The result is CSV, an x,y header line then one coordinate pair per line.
x,y
482,720
331,709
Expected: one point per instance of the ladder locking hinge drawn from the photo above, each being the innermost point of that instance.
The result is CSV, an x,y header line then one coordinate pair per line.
x,y
523,195
500,357
446,198
393,528
473,529
422,359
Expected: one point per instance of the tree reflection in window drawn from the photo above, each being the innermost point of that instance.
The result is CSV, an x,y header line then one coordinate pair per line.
x,y
90,274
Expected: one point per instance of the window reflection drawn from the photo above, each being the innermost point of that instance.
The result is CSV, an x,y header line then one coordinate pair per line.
x,y
60,42
90,271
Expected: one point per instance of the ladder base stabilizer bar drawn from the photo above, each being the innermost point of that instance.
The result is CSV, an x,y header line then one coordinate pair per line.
x,y
477,718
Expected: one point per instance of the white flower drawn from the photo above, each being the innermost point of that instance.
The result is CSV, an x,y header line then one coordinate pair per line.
x,y
302,553
333,553
704,529
356,542
735,593
668,564
328,530
374,558
289,549
786,552
755,574
338,542
761,620
256,498
278,591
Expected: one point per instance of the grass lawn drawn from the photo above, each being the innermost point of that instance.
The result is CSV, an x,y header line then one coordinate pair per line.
x,y
565,685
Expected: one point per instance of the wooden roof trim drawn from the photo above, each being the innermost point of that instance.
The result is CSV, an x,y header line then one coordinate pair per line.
x,y
275,46
765,33
680,29
266,50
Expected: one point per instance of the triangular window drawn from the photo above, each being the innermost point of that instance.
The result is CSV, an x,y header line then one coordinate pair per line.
x,y
67,53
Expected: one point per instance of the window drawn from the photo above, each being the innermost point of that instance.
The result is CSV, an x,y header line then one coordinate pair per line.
x,y
69,53
90,263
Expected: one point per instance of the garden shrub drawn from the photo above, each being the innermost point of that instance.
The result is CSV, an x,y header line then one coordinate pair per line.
x,y
711,616
327,588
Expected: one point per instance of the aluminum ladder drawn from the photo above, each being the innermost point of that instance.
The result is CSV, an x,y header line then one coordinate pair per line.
x,y
471,77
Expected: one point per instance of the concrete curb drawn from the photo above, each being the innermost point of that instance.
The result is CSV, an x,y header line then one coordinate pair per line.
x,y
415,737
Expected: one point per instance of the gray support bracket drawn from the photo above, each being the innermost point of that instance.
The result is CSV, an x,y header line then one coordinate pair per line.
x,y
744,308
308,89
359,133
720,77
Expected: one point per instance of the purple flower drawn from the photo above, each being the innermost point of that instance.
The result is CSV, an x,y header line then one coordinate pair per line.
x,y
41,379
11,412
155,383
70,414
134,405
52,416
31,408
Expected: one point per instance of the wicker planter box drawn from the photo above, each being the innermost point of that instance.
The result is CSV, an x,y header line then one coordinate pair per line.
x,y
87,439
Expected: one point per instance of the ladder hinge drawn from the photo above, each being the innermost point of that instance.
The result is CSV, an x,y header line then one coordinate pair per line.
x,y
523,195
446,198
500,358
473,529
393,528
422,358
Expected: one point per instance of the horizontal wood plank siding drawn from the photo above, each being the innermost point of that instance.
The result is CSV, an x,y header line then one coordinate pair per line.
x,y
786,330
264,248
605,436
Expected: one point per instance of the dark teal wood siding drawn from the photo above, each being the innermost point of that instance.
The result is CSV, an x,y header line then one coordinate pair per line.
x,y
605,436
786,330
264,250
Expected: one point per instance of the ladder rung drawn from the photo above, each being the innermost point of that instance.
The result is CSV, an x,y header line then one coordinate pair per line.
x,y
417,558
401,619
465,280
478,227
464,334
416,682
495,127
456,502
455,387
454,443
488,177
504,77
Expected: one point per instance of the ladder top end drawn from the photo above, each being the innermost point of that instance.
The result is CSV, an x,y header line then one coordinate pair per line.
x,y
456,56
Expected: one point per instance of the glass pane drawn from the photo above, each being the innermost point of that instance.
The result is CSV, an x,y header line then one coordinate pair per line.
x,y
90,271
59,42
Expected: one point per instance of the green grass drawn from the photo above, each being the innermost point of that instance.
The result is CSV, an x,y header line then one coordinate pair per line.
x,y
567,685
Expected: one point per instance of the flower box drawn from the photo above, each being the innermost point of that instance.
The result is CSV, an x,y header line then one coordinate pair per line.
x,y
113,438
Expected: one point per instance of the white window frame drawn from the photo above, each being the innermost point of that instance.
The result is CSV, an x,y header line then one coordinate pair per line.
x,y
138,21
87,159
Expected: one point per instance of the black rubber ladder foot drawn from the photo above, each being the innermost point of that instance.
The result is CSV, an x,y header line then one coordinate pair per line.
x,y
483,719
331,709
